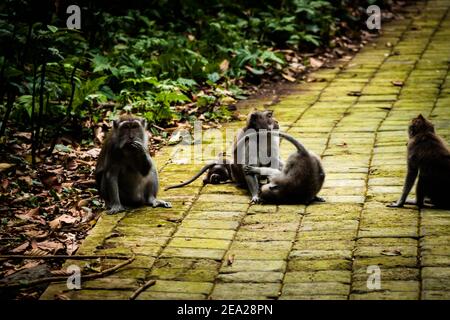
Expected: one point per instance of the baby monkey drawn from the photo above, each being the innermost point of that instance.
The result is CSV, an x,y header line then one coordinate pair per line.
x,y
428,158
126,175
218,172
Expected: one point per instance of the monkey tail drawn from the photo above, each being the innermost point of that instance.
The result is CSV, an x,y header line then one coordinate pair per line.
x,y
300,147
202,171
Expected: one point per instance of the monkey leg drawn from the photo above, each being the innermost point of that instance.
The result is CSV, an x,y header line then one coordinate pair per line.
x,y
253,187
112,190
420,193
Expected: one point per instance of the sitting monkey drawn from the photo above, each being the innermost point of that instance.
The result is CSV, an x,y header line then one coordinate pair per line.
x,y
429,158
126,175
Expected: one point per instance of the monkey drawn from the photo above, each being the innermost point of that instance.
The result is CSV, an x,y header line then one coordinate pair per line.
x,y
125,174
218,172
299,181
428,157
222,170
257,121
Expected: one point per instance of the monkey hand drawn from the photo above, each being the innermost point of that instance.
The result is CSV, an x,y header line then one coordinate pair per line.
x,y
255,200
115,208
249,169
396,204
137,145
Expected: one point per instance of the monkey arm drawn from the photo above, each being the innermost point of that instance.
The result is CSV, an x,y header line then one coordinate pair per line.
x,y
262,171
409,182
141,160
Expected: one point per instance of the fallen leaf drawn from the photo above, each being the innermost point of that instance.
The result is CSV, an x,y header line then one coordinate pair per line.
x,y
354,93
56,223
24,135
31,215
36,252
5,166
94,152
391,253
315,63
288,77
398,83
21,248
27,180
230,259
51,246
72,164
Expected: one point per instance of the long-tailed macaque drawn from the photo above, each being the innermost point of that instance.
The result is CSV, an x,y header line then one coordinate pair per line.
x,y
299,181
428,158
125,173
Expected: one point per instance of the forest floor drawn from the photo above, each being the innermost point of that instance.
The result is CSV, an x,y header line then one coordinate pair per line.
x,y
213,244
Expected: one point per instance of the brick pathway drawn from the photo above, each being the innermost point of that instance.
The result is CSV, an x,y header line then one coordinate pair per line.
x,y
320,251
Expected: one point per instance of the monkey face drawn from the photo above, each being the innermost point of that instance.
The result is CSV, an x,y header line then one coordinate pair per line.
x,y
420,125
262,120
270,192
130,130
218,175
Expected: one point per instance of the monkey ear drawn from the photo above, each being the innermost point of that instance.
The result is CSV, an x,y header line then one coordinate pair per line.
x,y
253,117
420,116
270,113
273,186
115,123
144,123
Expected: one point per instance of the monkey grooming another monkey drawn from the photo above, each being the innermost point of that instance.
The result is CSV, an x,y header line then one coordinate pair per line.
x,y
299,181
428,158
126,175
257,121
223,170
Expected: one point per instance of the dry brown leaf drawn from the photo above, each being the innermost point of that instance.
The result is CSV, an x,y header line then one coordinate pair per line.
x,y
354,93
51,246
398,83
21,248
36,234
82,203
5,166
36,252
56,223
391,253
31,215
230,259
72,164
288,77
26,179
5,184
315,63
24,135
